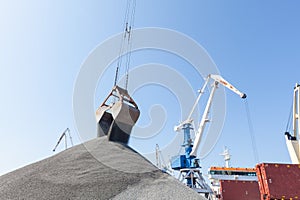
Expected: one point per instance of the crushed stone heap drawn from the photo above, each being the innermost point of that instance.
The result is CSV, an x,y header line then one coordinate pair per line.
x,y
97,169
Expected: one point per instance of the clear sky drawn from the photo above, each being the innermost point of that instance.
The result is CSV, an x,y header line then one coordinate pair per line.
x,y
254,44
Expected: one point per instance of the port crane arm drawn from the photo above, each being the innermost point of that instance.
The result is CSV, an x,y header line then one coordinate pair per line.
x,y
203,122
222,81
189,118
198,99
217,80
62,136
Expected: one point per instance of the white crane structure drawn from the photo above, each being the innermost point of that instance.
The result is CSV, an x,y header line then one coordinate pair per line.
x,y
292,141
217,80
189,164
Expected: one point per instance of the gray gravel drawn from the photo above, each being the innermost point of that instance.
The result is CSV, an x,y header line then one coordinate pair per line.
x,y
104,171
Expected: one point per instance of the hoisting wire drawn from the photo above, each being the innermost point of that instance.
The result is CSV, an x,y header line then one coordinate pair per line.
x,y
129,46
128,24
253,141
119,62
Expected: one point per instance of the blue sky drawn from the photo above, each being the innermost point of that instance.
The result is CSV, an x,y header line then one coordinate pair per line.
x,y
255,46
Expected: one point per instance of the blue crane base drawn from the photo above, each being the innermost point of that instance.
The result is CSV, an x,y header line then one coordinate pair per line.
x,y
182,162
186,161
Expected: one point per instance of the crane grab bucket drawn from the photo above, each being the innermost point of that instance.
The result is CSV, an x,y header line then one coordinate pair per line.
x,y
117,120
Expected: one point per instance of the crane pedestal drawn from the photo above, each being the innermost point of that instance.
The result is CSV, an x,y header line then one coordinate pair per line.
x,y
189,166
194,180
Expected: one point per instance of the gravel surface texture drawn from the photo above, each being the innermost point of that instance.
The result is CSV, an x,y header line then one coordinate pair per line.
x,y
97,169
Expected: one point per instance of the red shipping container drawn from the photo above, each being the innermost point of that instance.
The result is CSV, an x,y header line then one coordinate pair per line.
x,y
239,190
278,181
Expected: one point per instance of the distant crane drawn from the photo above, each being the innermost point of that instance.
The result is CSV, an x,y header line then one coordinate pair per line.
x,y
160,162
157,155
64,135
292,141
188,164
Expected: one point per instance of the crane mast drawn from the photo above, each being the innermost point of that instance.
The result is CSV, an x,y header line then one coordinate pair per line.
x,y
189,164
204,120
292,141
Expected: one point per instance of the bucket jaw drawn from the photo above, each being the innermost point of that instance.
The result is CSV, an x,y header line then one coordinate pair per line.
x,y
117,119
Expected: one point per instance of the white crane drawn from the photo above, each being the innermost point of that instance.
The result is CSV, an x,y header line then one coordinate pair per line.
x,y
292,141
188,164
217,80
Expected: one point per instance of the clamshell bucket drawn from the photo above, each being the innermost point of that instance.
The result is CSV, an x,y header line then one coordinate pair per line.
x,y
117,120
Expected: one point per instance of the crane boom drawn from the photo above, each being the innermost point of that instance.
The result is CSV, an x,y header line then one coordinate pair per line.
x,y
221,80
198,98
217,80
59,140
189,118
203,122
62,136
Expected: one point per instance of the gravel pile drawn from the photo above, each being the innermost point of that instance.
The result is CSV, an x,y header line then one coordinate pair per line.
x,y
107,170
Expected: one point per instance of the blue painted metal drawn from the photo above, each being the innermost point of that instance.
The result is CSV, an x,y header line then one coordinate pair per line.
x,y
186,160
178,162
